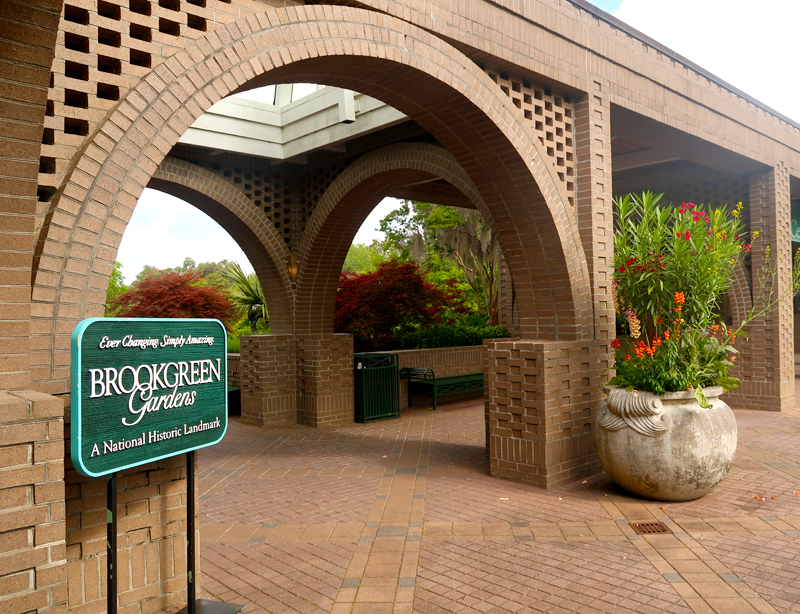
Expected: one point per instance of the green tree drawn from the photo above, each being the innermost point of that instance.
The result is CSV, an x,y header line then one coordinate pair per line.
x,y
247,296
433,234
116,286
172,294
362,258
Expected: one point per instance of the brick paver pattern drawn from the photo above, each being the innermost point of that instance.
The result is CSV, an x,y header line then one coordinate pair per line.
x,y
402,516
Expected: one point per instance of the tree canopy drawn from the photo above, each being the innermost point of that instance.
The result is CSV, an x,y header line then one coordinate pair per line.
x,y
377,307
171,294
433,235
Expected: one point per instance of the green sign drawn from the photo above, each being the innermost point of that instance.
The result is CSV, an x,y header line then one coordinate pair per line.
x,y
145,389
796,220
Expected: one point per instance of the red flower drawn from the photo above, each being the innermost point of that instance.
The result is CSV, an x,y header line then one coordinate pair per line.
x,y
615,344
622,269
630,261
687,236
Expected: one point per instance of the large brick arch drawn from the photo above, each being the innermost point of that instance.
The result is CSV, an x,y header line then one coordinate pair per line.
x,y
408,68
345,205
239,216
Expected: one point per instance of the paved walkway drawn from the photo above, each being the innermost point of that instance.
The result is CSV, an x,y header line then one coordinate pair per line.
x,y
401,516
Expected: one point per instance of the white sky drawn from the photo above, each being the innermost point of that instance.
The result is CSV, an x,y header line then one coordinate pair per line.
x,y
752,46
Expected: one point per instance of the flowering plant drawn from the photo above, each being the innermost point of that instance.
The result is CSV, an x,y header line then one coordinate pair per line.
x,y
672,265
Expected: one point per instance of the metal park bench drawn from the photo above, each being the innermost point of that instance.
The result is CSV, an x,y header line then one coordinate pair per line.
x,y
425,382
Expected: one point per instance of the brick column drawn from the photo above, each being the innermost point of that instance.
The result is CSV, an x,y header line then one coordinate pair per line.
x,y
151,537
33,562
540,396
509,310
269,380
325,380
594,200
27,53
767,361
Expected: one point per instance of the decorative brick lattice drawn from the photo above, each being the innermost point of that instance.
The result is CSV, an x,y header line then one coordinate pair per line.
x,y
103,48
552,116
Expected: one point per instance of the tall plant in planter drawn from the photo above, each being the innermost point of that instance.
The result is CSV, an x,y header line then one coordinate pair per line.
x,y
663,432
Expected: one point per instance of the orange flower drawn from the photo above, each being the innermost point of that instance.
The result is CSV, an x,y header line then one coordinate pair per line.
x,y
666,334
680,298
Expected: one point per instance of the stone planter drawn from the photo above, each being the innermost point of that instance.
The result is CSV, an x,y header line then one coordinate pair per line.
x,y
665,447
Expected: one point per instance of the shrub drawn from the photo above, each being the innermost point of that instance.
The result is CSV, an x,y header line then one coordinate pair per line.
x,y
450,335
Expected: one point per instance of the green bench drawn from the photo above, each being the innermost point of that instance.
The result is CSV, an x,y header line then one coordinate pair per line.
x,y
425,382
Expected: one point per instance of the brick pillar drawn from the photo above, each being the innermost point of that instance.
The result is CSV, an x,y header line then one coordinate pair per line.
x,y
325,380
27,53
767,361
594,200
33,565
269,380
509,310
151,537
540,396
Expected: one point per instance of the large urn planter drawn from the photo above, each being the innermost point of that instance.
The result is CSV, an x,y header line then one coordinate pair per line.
x,y
665,447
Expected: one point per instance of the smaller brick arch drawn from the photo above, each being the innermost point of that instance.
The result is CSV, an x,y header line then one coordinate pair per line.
x,y
740,295
345,205
238,215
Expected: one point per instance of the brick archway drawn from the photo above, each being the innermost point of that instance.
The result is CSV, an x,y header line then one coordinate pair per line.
x,y
408,68
740,295
345,205
236,213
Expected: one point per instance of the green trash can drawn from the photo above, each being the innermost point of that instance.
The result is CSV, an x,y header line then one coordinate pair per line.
x,y
377,387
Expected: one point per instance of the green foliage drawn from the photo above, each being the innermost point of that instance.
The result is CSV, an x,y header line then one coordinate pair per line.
x,y
379,306
233,344
210,272
363,258
433,234
660,251
247,296
174,295
671,268
450,335
116,286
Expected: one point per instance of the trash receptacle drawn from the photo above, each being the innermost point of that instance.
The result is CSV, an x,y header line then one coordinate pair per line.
x,y
377,387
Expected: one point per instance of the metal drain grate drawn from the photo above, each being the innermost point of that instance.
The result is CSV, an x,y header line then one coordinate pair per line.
x,y
650,528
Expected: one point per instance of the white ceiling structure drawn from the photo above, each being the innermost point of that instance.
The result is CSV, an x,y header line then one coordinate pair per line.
x,y
277,124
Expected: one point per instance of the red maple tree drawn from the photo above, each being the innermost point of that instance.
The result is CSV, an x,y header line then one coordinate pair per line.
x,y
375,307
170,294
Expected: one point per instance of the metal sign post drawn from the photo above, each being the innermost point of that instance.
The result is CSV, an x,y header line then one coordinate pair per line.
x,y
111,542
143,390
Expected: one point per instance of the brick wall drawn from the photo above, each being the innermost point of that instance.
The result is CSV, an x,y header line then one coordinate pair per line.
x,y
540,396
151,537
234,370
445,362
28,32
269,380
32,514
767,360
325,368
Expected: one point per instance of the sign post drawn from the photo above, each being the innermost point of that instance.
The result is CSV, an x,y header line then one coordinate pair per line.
x,y
143,390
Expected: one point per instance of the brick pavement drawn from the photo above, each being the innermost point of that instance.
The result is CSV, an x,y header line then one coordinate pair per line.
x,y
401,516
